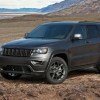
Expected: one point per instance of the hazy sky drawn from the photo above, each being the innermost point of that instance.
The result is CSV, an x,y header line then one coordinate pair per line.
x,y
26,3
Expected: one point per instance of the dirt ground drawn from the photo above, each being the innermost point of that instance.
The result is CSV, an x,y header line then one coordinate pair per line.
x,y
80,85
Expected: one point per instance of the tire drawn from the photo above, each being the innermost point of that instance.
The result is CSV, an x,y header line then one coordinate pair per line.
x,y
57,71
98,68
11,76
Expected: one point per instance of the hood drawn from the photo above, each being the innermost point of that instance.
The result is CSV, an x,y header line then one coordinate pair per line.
x,y
29,43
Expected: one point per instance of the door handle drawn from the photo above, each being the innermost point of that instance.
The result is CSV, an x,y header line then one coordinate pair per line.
x,y
88,41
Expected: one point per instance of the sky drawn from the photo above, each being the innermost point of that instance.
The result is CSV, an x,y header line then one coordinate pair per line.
x,y
26,3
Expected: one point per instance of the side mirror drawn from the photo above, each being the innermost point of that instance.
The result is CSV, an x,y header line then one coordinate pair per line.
x,y
77,37
26,34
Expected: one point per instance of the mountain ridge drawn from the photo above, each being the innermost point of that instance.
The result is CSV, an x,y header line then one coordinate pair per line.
x,y
19,10
66,7
83,7
59,6
50,8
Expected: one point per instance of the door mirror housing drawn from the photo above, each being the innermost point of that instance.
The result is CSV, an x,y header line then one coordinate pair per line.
x,y
77,37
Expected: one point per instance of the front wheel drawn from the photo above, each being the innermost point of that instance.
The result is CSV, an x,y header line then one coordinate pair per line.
x,y
98,68
57,71
11,76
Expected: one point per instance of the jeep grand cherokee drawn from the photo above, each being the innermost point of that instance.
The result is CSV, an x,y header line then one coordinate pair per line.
x,y
52,49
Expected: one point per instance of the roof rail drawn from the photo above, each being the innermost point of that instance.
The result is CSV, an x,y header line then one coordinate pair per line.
x,y
54,21
88,21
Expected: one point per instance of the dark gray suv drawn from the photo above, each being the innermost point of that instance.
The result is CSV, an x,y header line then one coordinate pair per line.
x,y
52,49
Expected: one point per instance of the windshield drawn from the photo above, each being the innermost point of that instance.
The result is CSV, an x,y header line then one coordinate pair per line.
x,y
50,31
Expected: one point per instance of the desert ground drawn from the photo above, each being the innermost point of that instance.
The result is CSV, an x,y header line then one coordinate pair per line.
x,y
80,85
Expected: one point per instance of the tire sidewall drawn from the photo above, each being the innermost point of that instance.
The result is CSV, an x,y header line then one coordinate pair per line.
x,y
98,68
9,77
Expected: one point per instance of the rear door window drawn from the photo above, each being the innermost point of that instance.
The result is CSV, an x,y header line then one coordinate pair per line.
x,y
98,27
92,31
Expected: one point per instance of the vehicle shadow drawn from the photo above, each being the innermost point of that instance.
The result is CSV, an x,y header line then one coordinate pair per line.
x,y
33,79
72,74
81,72
41,80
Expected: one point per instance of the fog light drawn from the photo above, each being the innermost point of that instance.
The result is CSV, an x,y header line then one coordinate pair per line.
x,y
34,62
1,69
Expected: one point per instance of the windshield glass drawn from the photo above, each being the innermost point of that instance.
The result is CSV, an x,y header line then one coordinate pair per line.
x,y
50,31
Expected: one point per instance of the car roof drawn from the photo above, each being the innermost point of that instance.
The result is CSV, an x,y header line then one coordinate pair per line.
x,y
72,22
62,22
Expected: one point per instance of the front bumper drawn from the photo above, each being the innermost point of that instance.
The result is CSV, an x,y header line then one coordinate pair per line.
x,y
35,64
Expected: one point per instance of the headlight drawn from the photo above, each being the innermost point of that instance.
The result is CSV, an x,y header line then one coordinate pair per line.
x,y
40,51
1,50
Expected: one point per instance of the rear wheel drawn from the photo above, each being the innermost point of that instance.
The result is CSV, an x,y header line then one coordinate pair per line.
x,y
57,71
98,68
11,76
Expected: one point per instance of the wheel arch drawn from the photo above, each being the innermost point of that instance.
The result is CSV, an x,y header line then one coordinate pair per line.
x,y
61,54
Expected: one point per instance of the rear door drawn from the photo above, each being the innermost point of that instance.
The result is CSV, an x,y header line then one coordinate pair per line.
x,y
98,27
93,40
86,50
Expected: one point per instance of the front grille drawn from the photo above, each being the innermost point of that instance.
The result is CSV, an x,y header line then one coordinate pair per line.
x,y
17,52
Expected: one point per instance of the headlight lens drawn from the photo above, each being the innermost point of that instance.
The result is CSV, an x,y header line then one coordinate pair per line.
x,y
40,51
1,50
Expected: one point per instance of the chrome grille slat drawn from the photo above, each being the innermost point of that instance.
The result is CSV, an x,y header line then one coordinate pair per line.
x,y
17,52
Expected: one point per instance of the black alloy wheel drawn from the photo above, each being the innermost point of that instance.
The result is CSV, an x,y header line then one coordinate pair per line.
x,y
57,71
